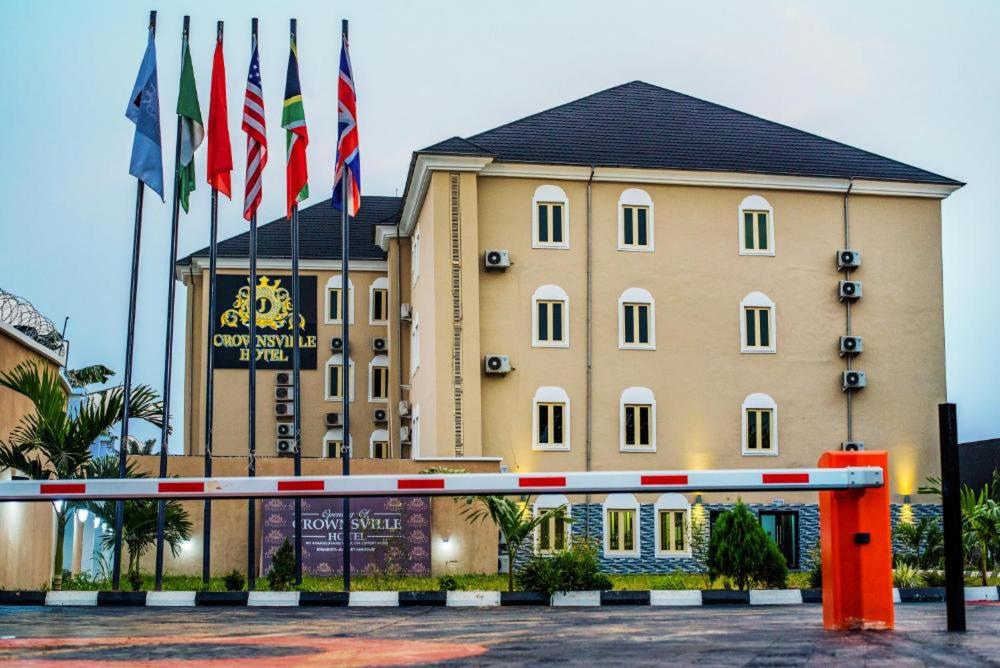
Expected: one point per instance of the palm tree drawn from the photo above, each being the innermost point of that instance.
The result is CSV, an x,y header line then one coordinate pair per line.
x,y
514,520
981,516
52,443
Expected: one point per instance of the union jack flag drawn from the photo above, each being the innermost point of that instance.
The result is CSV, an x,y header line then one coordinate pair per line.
x,y
254,126
348,152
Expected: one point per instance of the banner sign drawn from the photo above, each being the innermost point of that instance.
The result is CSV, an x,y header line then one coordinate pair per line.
x,y
274,322
389,535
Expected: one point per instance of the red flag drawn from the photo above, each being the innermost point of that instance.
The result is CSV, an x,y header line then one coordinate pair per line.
x,y
220,153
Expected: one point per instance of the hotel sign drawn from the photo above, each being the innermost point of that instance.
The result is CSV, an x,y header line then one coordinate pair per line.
x,y
274,322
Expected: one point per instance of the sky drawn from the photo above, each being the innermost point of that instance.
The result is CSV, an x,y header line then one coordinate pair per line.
x,y
912,80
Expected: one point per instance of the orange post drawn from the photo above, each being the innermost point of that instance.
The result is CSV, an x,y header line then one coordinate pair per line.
x,y
856,542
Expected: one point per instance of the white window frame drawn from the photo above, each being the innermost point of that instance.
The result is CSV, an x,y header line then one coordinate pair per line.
x,y
622,501
382,362
414,345
672,502
550,395
338,360
415,431
549,293
760,401
636,296
415,257
336,281
756,203
333,435
379,435
555,195
548,502
637,396
380,283
759,300
635,197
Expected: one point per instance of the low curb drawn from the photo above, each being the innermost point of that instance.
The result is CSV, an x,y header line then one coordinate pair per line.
x,y
459,599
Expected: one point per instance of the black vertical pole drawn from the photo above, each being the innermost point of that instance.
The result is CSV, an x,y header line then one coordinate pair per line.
x,y
116,568
345,316
206,555
951,511
252,370
169,345
296,365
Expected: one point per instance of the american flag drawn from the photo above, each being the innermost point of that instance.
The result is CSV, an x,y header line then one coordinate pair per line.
x,y
348,151
254,126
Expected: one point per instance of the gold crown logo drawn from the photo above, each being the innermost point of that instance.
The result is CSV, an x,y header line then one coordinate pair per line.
x,y
274,307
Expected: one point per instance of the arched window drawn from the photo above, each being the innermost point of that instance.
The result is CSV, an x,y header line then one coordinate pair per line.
x,y
621,526
760,425
554,534
636,320
756,226
550,419
635,220
334,301
550,317
637,417
333,444
378,444
334,378
378,379
672,516
378,301
549,218
758,324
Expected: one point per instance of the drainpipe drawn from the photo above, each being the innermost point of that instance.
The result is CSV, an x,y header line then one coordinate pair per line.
x,y
847,304
399,329
590,345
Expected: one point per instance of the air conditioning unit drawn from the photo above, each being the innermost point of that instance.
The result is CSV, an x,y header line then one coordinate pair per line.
x,y
284,393
852,446
337,344
284,410
405,312
285,430
849,290
283,378
850,345
404,434
404,408
848,259
496,259
333,420
381,415
497,364
286,447
380,344
854,380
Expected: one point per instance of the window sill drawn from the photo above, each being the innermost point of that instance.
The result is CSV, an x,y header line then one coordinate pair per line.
x,y
633,448
543,246
752,453
769,253
758,351
636,249
542,344
376,400
632,346
550,448
608,554
675,555
378,323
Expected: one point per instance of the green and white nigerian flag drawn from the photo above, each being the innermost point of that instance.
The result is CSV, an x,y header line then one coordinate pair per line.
x,y
192,129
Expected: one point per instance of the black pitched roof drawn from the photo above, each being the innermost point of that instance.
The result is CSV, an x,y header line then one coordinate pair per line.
x,y
641,125
319,233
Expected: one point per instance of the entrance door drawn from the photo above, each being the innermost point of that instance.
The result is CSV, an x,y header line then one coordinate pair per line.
x,y
783,528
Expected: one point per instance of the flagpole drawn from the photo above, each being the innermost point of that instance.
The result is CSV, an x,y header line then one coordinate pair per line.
x,y
168,354
296,365
345,254
252,371
206,555
116,569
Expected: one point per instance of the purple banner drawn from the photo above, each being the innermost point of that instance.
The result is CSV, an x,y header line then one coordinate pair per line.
x,y
389,535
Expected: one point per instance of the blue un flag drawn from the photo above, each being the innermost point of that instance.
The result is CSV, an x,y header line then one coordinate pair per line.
x,y
144,110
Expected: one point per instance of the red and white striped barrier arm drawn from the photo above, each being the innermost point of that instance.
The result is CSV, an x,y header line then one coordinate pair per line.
x,y
462,484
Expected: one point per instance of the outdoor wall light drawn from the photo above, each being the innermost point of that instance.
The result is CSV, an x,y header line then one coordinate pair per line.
x,y
185,545
81,515
906,499
58,503
697,499
445,539
97,522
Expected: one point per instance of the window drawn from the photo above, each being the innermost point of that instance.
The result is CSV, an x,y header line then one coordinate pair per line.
x,y
621,527
414,344
334,300
554,534
333,444
638,420
550,218
757,324
378,379
415,257
415,431
756,226
635,221
783,528
551,419
760,425
378,444
334,378
636,328
550,317
378,301
673,522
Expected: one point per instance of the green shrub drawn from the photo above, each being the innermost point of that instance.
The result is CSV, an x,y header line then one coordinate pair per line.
x,y
675,580
447,583
933,578
816,572
742,552
905,576
573,569
234,580
134,580
281,576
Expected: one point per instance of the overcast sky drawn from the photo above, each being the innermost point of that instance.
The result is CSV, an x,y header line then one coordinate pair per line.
x,y
915,81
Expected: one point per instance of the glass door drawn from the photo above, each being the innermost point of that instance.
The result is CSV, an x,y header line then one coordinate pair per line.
x,y
783,528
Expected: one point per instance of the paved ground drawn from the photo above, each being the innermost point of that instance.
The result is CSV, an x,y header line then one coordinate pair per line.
x,y
633,636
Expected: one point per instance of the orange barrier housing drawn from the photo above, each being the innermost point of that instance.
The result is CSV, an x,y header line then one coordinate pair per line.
x,y
856,541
